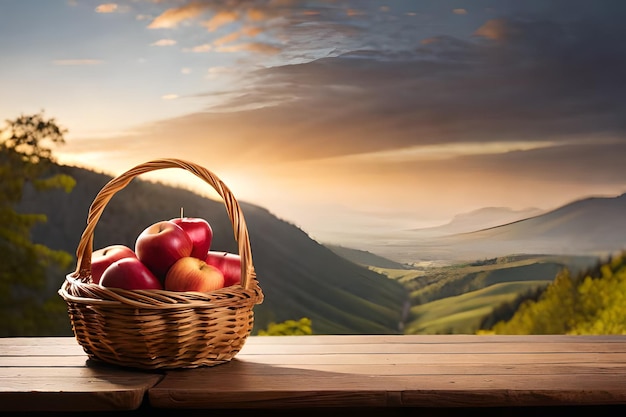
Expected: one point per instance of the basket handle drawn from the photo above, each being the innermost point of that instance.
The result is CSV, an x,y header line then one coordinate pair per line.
x,y
85,246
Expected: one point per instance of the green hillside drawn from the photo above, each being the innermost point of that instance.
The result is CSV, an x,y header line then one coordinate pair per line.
x,y
459,279
362,257
591,302
464,313
299,276
458,298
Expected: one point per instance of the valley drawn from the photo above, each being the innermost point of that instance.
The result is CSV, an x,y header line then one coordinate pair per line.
x,y
457,298
449,282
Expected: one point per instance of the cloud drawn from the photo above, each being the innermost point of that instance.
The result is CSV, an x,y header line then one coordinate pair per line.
x,y
164,42
459,11
217,71
206,47
354,12
447,151
527,97
172,17
169,97
73,62
496,29
251,31
258,47
107,8
518,81
231,37
220,19
225,12
526,106
256,15
287,23
245,32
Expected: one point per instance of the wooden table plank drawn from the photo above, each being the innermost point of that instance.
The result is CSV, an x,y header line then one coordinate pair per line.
x,y
417,371
563,370
428,358
254,348
43,374
306,372
437,339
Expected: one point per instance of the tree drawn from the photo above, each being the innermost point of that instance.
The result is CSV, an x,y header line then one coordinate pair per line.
x,y
26,159
591,303
288,328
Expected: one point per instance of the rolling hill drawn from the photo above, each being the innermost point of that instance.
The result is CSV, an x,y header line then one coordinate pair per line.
x,y
463,314
478,219
590,302
591,226
365,258
455,299
299,276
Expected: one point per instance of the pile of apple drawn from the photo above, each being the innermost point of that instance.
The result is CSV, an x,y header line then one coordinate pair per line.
x,y
173,255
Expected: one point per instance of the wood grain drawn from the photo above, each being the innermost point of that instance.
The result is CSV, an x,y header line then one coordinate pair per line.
x,y
54,374
372,372
406,371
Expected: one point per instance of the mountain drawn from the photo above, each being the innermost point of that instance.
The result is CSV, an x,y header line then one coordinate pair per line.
x,y
299,276
366,258
479,219
590,226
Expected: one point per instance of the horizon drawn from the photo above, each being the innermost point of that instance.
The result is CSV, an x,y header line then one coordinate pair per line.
x,y
506,215
345,118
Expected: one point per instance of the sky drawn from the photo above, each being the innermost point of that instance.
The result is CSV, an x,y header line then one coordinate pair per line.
x,y
346,118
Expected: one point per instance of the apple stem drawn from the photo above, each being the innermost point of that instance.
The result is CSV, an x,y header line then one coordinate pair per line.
x,y
181,212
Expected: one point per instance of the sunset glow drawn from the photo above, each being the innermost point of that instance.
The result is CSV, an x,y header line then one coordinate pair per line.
x,y
342,117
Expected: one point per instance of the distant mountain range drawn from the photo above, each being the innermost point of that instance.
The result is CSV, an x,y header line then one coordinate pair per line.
x,y
591,226
594,225
479,219
299,276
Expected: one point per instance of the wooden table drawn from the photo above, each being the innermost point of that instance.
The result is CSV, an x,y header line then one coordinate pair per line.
x,y
443,375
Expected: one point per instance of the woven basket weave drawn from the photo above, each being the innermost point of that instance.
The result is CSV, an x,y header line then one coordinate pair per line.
x,y
159,329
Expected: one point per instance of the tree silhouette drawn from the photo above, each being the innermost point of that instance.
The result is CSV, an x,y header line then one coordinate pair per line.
x,y
26,308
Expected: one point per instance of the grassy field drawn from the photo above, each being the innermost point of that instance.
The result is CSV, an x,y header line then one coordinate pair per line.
x,y
462,314
455,299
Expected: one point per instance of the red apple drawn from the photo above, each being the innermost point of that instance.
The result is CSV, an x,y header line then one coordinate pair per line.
x,y
193,274
102,258
162,244
130,274
228,263
200,232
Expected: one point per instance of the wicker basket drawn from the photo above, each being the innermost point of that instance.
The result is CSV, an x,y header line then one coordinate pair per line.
x,y
159,329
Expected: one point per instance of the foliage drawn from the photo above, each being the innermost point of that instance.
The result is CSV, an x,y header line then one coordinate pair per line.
x,y
464,297
504,311
300,327
27,305
463,314
593,302
454,280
